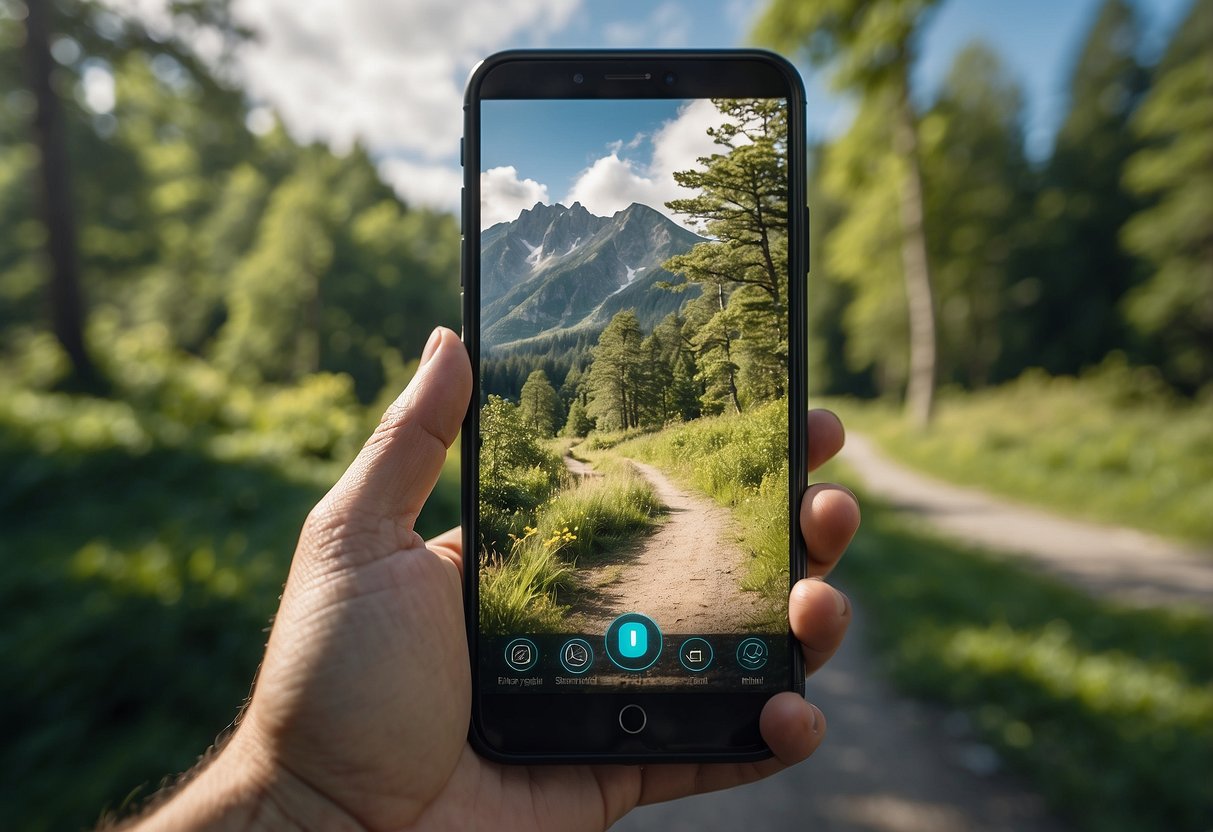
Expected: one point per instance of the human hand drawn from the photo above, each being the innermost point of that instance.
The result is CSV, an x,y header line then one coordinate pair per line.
x,y
360,714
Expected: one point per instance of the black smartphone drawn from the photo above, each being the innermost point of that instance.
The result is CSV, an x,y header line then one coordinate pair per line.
x,y
634,269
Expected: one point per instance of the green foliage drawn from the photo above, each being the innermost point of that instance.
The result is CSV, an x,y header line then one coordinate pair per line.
x,y
538,405
861,173
516,474
521,591
518,591
579,422
978,203
1107,710
741,460
616,378
867,42
1174,233
1072,319
1113,446
741,346
146,538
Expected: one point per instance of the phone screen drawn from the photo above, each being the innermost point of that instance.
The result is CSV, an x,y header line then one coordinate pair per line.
x,y
633,492
635,251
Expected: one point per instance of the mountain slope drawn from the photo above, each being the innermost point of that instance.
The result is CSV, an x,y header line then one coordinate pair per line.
x,y
559,269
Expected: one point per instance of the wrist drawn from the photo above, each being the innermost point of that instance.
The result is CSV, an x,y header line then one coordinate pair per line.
x,y
243,788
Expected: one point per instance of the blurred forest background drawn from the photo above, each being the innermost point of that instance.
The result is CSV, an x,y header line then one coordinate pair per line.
x,y
201,319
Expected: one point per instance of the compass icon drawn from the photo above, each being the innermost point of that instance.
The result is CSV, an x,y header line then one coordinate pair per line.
x,y
577,656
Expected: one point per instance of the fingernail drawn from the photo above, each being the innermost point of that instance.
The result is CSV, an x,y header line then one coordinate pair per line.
x,y
431,346
841,603
815,716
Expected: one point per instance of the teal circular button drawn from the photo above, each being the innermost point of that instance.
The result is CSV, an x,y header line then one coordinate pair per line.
x,y
633,642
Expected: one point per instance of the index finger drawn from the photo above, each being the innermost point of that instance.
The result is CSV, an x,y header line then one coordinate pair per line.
x,y
826,437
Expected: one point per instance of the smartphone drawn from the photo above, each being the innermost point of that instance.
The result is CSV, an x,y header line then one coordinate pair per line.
x,y
634,270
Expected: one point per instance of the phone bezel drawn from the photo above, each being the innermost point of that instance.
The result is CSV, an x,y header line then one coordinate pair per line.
x,y
706,726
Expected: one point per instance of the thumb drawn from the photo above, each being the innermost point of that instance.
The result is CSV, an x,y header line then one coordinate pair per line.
x,y
398,466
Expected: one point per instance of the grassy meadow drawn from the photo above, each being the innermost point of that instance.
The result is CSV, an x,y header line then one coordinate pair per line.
x,y
1107,710
1111,446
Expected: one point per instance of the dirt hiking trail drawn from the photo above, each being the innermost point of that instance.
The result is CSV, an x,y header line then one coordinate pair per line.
x,y
1105,561
679,574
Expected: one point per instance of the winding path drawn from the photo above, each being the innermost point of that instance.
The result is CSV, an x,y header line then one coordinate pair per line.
x,y
678,574
1106,561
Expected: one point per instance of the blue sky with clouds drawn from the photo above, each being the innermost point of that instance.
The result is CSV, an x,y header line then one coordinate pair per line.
x,y
390,73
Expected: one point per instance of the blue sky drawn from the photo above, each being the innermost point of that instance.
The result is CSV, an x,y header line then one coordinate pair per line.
x,y
390,73
604,154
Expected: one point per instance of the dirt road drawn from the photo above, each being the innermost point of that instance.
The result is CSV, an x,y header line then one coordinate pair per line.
x,y
1105,561
685,576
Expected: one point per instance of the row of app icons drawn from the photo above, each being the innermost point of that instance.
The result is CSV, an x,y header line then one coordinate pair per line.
x,y
633,642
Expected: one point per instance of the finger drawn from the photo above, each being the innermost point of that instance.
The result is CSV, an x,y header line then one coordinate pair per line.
x,y
399,465
826,437
819,615
829,518
449,544
790,726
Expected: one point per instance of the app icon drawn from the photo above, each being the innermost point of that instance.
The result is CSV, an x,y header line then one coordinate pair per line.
x,y
633,642
577,656
695,654
521,654
752,654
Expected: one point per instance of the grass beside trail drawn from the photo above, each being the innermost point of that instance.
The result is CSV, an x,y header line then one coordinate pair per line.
x,y
1108,710
740,461
1110,447
527,588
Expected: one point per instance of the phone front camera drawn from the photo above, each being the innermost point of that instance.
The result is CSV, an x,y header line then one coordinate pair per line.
x,y
670,77
578,78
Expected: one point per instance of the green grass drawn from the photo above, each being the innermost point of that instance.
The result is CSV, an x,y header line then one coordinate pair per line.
x,y
145,542
1109,447
740,461
1107,710
527,589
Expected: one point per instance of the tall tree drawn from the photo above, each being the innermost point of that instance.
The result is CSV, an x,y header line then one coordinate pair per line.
x,y
1085,272
537,404
742,201
616,376
860,176
1174,233
979,192
58,216
871,45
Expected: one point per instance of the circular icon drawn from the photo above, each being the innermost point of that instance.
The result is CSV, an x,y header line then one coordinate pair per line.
x,y
633,642
521,654
695,654
577,656
752,654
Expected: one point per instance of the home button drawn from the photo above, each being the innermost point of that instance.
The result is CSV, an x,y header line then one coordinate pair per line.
x,y
632,719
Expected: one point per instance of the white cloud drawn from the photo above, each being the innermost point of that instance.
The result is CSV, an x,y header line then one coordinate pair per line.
x,y
503,195
612,183
387,73
429,185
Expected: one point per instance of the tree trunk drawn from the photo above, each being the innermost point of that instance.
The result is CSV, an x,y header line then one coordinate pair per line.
x,y
920,390
64,294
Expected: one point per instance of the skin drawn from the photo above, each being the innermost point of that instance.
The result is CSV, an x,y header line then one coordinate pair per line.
x,y
360,713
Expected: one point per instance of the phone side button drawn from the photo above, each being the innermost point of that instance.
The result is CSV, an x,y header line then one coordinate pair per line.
x,y
632,719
